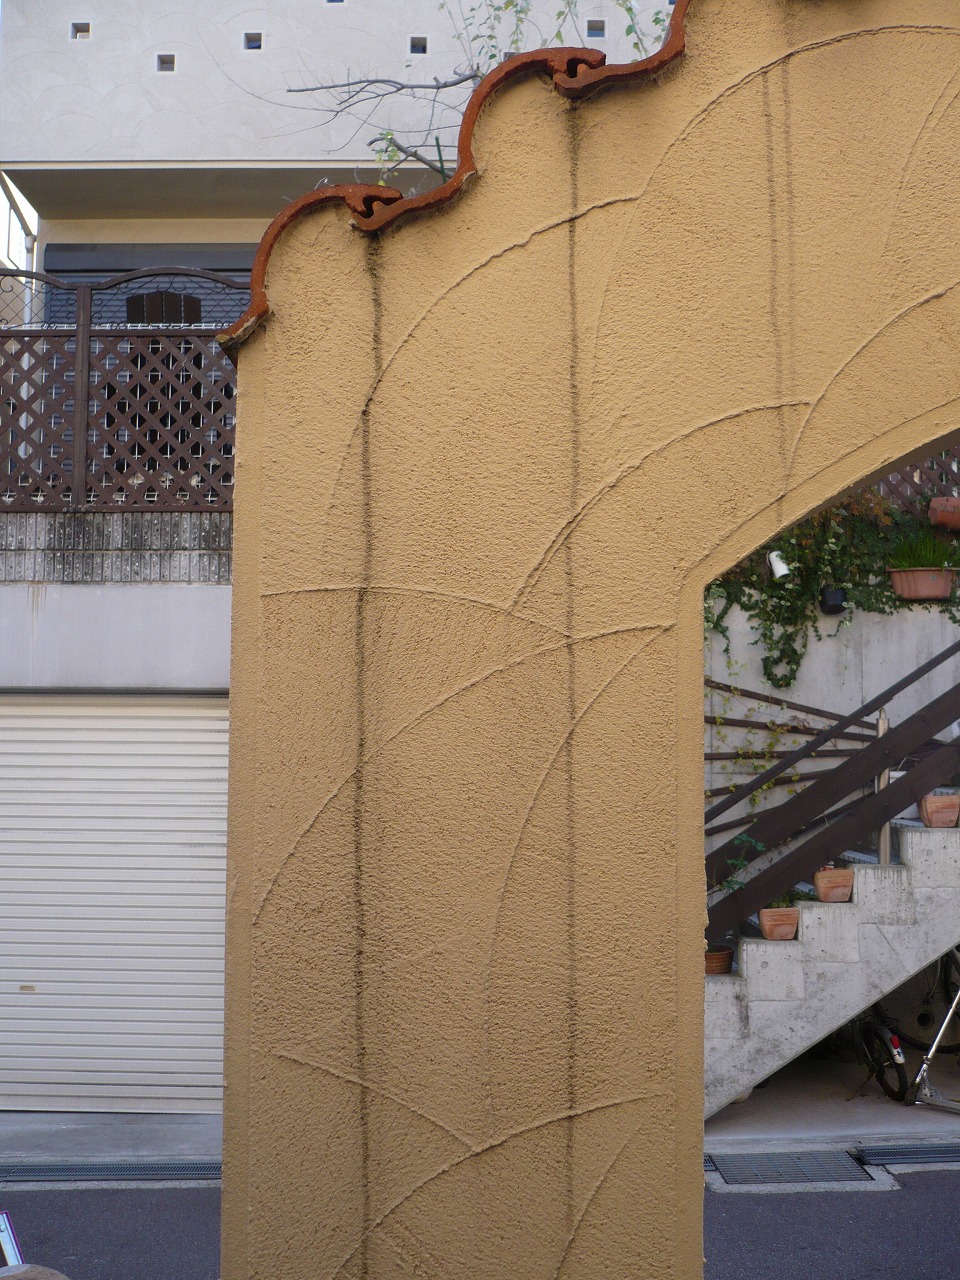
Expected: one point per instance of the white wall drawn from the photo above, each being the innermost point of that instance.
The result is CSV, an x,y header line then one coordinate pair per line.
x,y
101,99
839,673
159,636
842,671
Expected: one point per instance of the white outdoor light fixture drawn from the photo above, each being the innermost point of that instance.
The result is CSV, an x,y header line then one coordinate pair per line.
x,y
778,566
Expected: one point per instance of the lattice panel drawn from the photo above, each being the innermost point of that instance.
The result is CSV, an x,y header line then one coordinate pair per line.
x,y
162,418
912,487
36,419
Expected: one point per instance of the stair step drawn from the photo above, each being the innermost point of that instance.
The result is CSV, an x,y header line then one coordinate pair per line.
x,y
789,995
884,895
726,1006
933,855
772,970
829,933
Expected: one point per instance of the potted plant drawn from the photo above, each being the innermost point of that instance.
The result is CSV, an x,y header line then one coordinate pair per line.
x,y
941,808
945,512
780,919
923,567
718,957
833,884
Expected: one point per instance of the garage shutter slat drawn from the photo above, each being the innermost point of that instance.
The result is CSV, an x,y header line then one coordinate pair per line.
x,y
112,838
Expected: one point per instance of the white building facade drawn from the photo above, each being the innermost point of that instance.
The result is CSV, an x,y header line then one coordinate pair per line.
x,y
144,137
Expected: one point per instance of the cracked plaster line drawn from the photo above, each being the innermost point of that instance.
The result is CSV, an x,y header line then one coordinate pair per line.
x,y
349,1078
485,1149
915,147
572,1234
454,597
515,851
569,527
558,647
935,296
616,256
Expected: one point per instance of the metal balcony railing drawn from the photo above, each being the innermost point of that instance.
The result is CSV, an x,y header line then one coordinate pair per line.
x,y
114,395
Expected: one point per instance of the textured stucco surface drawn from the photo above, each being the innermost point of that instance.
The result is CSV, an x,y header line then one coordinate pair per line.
x,y
514,439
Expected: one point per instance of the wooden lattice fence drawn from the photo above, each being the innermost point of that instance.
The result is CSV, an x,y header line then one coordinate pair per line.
x,y
116,395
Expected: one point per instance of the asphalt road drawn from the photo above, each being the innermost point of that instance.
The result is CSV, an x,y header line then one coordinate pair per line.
x,y
909,1234
94,1233
173,1233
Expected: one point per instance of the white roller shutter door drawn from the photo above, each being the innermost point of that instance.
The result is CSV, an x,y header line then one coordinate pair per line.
x,y
112,875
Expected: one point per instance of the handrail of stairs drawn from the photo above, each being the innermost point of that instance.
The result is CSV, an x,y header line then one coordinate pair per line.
x,y
834,730
800,861
774,827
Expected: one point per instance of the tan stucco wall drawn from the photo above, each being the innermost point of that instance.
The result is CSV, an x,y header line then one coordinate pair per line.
x,y
488,462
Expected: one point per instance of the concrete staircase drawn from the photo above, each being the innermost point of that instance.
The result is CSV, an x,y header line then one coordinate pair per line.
x,y
788,996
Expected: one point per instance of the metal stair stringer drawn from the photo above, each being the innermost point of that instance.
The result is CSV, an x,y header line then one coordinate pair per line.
x,y
788,996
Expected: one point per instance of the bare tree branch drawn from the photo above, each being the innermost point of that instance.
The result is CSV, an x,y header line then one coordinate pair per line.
x,y
393,86
409,153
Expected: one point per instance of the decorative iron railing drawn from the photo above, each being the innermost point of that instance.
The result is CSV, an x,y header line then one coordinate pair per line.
x,y
115,395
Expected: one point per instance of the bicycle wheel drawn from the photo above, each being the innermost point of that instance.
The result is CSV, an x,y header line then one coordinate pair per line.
x,y
891,1076
918,1008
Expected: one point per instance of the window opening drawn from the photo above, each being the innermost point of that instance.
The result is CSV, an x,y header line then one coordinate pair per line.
x,y
418,44
253,39
596,28
79,30
166,62
163,306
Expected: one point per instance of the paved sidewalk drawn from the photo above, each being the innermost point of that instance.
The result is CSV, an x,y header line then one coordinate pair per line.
x,y
814,1103
63,1135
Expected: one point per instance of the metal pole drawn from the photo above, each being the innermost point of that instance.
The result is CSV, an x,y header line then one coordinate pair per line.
x,y
81,397
883,840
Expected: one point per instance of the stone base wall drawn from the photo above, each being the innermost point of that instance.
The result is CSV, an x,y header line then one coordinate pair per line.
x,y
96,547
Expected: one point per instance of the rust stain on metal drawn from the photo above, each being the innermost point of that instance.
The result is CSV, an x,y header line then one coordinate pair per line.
x,y
575,73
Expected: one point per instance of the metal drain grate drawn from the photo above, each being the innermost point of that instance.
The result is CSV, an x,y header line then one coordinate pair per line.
x,y
788,1168
917,1153
108,1170
708,1165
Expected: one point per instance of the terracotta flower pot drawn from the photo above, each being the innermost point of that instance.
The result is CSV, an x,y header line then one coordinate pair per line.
x,y
945,512
922,584
940,811
779,924
834,884
718,959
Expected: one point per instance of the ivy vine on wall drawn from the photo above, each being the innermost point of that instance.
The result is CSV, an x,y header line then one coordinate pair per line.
x,y
847,545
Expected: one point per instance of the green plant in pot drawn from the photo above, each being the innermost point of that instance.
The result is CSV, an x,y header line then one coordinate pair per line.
x,y
923,567
780,918
837,560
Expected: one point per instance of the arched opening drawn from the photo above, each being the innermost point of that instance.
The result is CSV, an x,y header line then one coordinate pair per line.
x,y
831,700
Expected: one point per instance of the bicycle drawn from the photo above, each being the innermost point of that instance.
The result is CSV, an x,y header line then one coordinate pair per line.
x,y
920,1008
878,1047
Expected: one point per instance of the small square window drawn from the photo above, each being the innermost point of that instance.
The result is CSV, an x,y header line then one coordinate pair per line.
x,y
596,28
418,44
166,62
79,30
253,39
